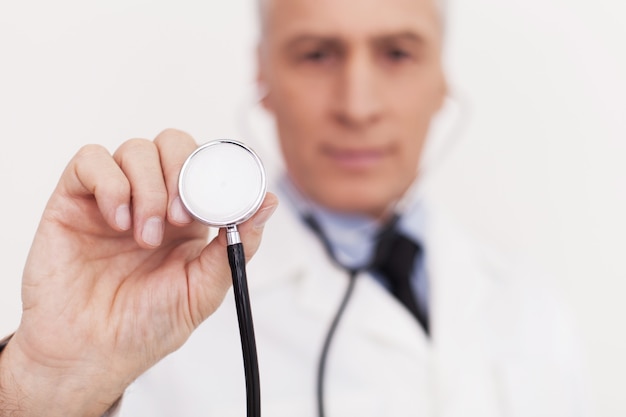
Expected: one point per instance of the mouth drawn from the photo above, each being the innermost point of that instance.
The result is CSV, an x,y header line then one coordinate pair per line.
x,y
356,159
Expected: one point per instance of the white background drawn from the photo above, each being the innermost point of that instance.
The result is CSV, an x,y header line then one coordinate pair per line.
x,y
538,169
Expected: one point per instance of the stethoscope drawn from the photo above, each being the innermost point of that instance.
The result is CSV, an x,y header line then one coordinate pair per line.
x,y
222,184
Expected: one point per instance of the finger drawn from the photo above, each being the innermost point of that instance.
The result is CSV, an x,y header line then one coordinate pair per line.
x,y
93,172
174,147
207,294
139,160
252,230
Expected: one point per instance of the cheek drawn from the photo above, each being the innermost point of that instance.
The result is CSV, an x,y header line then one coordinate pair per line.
x,y
419,92
299,110
297,96
414,109
414,113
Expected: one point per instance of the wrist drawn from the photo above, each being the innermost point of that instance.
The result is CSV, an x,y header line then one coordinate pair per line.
x,y
28,388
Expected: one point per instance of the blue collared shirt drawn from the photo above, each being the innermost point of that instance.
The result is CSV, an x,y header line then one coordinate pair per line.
x,y
352,236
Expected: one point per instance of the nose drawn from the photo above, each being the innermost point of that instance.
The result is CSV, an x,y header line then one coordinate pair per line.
x,y
358,103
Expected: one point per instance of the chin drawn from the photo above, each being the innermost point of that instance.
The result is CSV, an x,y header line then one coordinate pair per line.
x,y
370,195
365,203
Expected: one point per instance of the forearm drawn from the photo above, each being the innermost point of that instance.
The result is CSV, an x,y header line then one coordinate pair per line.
x,y
30,389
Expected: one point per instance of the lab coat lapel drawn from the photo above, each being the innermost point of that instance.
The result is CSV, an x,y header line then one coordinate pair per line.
x,y
460,290
283,254
458,284
379,314
372,309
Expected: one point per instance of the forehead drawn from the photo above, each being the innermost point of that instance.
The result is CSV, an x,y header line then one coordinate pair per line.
x,y
283,19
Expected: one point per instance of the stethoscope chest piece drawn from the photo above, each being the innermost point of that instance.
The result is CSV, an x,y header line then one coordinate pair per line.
x,y
222,183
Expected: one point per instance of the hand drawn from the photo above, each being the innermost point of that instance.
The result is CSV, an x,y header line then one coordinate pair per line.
x,y
118,276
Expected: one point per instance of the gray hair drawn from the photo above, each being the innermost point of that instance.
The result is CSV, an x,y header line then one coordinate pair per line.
x,y
261,6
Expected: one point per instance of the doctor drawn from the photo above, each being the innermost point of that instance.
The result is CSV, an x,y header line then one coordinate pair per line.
x,y
119,276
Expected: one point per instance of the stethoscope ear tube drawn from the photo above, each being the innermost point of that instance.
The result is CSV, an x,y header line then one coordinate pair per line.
x,y
237,261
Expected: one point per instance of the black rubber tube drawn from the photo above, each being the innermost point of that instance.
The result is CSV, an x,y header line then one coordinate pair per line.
x,y
321,368
237,262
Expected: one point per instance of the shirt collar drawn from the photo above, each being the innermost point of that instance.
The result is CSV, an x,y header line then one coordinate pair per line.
x,y
352,236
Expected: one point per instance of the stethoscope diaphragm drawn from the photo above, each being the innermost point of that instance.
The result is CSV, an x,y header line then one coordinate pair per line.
x,y
222,183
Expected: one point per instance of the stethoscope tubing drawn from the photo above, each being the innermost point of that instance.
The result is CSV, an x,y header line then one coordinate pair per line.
x,y
237,261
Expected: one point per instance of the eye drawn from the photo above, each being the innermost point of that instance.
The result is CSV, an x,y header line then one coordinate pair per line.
x,y
317,56
397,55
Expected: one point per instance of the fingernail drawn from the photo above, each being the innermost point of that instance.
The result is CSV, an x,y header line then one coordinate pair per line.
x,y
178,212
122,217
152,232
263,216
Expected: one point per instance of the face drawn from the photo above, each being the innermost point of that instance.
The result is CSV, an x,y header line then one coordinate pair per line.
x,y
353,85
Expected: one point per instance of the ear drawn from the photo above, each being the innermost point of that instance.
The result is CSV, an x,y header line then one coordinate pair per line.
x,y
261,79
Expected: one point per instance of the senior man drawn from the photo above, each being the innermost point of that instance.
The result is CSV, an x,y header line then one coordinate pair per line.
x,y
114,284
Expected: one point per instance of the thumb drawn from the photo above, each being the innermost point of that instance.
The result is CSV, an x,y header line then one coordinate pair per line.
x,y
209,276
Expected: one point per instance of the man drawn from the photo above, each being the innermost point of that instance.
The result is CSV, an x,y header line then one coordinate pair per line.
x,y
119,276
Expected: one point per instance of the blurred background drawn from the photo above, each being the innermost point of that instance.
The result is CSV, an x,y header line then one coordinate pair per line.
x,y
538,165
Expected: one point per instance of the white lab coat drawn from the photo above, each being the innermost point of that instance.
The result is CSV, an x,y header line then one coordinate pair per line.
x,y
500,346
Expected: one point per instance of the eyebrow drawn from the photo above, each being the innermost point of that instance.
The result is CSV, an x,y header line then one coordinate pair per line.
x,y
406,35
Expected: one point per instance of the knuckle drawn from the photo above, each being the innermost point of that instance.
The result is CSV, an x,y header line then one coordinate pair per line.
x,y
173,135
170,133
88,151
133,146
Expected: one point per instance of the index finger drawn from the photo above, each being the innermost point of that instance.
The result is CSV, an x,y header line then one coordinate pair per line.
x,y
174,147
93,172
